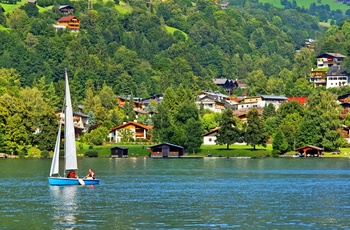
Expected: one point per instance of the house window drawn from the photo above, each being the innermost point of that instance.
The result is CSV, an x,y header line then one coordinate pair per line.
x,y
210,140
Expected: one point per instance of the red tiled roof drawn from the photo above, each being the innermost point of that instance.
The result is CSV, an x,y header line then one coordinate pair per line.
x,y
66,18
301,100
131,123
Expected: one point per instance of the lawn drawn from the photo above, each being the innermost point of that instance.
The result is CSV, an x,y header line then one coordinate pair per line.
x,y
334,5
123,8
11,7
214,150
171,30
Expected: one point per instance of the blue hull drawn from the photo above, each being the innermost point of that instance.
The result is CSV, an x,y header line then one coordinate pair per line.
x,y
71,181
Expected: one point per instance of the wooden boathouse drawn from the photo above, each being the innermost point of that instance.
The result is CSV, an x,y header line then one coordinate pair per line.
x,y
310,151
166,150
119,152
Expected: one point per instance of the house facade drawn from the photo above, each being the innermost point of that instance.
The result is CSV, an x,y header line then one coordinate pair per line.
x,y
138,131
329,72
337,77
209,138
69,22
329,59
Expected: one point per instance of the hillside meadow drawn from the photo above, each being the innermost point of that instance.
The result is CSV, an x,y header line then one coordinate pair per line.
x,y
334,5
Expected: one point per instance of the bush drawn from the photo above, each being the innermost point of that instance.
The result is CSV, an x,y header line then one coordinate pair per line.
x,y
45,154
91,153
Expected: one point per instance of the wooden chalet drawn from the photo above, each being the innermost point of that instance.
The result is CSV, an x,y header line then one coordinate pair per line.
x,y
70,22
310,151
166,150
139,131
119,152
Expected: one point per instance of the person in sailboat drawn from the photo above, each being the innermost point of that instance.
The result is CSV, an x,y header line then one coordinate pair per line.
x,y
90,175
72,174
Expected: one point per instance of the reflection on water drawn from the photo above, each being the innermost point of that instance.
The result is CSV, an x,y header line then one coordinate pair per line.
x,y
64,205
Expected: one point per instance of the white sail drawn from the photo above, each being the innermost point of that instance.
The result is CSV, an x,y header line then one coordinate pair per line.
x,y
69,134
56,154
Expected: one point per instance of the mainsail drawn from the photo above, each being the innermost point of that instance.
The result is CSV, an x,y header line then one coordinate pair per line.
x,y
69,134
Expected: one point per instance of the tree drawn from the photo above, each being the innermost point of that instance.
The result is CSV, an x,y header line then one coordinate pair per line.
x,y
193,133
98,136
269,111
279,144
163,129
321,122
255,133
228,133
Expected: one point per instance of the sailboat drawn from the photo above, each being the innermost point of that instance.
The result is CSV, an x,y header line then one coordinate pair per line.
x,y
70,153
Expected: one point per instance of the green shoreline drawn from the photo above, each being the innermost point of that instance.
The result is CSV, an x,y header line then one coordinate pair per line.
x,y
235,151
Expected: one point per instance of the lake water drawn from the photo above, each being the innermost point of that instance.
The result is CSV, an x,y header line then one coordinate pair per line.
x,y
293,193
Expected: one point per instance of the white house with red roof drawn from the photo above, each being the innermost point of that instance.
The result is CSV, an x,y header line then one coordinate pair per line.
x,y
137,130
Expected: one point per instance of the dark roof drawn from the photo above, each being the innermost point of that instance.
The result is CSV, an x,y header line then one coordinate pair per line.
x,y
310,146
74,113
330,55
336,70
65,7
273,97
119,147
165,143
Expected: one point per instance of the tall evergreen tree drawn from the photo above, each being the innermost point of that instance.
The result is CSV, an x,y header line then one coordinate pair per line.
x,y
255,133
228,133
279,144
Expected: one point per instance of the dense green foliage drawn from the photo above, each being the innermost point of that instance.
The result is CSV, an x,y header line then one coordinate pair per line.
x,y
132,53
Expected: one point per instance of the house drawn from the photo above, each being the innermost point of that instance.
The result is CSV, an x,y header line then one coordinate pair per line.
x,y
166,150
337,77
249,102
32,1
66,9
224,6
318,76
212,103
344,101
310,151
80,121
242,114
209,138
329,59
68,22
137,101
276,101
119,152
138,131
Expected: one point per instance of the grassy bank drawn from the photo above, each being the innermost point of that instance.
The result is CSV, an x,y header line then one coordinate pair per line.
x,y
140,150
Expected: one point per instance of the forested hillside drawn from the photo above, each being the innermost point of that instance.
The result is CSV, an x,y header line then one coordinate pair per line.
x,y
142,48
